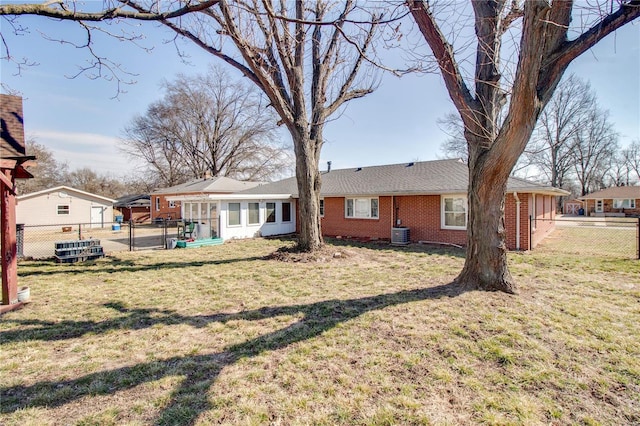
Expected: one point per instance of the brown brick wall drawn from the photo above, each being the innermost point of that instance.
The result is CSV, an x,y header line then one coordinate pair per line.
x,y
165,211
590,207
335,224
421,214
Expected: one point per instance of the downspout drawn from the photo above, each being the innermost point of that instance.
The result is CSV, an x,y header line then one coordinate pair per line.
x,y
515,195
393,216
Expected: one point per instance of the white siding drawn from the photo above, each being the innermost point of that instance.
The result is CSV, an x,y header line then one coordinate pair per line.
x,y
244,230
43,209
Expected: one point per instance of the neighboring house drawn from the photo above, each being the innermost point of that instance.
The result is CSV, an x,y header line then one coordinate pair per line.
x,y
64,205
615,201
134,207
572,207
429,198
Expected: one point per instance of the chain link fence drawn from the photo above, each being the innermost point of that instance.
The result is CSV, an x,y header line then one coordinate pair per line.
x,y
612,237
606,237
40,241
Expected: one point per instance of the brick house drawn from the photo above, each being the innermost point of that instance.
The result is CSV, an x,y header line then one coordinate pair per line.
x,y
428,198
615,201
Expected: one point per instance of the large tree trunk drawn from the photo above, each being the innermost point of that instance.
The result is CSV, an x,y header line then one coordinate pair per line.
x,y
485,266
308,178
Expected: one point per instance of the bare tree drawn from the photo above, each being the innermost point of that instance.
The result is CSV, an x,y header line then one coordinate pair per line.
x,y
551,147
618,173
46,170
208,124
307,57
593,154
496,139
88,180
631,156
456,145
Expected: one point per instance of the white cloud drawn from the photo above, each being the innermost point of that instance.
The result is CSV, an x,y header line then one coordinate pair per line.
x,y
98,152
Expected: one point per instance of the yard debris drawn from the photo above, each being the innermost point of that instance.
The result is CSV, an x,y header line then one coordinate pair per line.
x,y
322,255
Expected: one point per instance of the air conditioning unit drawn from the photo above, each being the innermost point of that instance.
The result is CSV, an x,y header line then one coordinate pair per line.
x,y
400,236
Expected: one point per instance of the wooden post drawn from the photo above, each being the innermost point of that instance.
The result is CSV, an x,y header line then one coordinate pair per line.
x,y
8,236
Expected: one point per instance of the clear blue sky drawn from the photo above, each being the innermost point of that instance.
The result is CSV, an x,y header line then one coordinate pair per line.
x,y
81,124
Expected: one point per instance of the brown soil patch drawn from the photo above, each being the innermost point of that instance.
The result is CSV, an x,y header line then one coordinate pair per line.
x,y
325,254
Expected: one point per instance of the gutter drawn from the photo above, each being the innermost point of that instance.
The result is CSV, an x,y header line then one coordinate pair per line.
x,y
518,202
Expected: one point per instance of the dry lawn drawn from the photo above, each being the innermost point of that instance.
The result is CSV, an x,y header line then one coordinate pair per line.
x,y
373,336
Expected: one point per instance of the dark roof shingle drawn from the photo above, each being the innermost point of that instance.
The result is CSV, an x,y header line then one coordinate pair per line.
x,y
425,177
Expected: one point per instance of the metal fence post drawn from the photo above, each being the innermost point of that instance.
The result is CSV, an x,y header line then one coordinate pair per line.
x,y
130,234
165,224
79,231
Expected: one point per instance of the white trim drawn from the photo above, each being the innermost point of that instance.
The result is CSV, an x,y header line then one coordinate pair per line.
x,y
63,205
224,197
443,224
369,199
266,212
632,203
601,209
249,223
64,189
235,225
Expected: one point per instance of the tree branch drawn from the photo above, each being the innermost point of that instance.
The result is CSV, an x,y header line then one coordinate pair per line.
x,y
558,60
46,9
442,50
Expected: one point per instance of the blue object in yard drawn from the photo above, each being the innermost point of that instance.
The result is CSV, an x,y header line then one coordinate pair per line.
x,y
115,227
119,218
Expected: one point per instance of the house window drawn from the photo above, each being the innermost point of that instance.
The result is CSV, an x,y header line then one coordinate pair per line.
x,y
254,213
361,208
286,212
234,214
157,204
322,207
629,203
172,204
454,212
271,212
63,209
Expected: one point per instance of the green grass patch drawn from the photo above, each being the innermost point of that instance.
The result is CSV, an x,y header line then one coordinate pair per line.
x,y
225,335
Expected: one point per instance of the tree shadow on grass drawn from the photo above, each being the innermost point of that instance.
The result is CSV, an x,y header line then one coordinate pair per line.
x,y
116,266
200,372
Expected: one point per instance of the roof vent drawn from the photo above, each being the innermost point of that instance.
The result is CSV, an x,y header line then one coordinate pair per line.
x,y
328,166
358,169
410,164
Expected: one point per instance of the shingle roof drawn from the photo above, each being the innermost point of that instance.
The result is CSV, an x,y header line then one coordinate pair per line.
x,y
623,192
214,185
425,177
136,200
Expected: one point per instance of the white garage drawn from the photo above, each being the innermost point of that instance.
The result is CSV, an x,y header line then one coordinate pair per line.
x,y
64,205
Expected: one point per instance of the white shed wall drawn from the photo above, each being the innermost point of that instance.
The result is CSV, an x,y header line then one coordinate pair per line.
x,y
43,209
